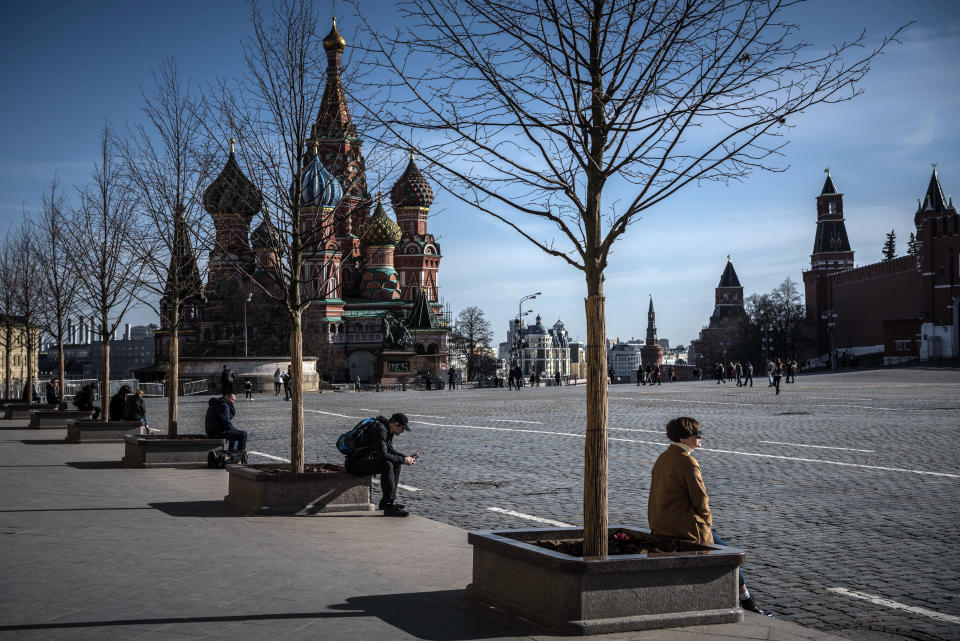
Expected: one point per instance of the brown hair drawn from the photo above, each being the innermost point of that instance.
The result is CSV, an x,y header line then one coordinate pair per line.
x,y
682,427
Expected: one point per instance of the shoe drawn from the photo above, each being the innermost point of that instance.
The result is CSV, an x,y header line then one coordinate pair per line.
x,y
750,605
395,510
384,506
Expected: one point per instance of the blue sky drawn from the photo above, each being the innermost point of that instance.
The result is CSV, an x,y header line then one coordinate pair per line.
x,y
66,67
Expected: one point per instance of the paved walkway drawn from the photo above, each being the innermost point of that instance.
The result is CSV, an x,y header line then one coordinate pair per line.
x,y
91,550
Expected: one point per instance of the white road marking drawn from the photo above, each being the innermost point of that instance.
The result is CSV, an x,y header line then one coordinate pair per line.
x,y
333,414
425,416
529,517
769,405
933,614
819,447
704,449
270,456
634,429
408,488
511,420
367,409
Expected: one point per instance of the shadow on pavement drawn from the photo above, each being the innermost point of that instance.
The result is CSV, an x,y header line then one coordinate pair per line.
x,y
96,465
442,615
280,616
37,441
194,508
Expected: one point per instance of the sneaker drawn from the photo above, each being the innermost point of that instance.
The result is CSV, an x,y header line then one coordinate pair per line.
x,y
395,510
384,506
750,605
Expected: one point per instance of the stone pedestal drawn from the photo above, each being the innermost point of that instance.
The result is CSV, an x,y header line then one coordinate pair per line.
x,y
100,431
51,419
156,450
621,593
273,489
22,410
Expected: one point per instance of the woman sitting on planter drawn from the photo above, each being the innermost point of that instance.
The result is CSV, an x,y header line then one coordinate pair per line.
x,y
136,410
678,504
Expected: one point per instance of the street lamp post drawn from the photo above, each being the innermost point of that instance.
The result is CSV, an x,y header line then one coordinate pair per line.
x,y
519,314
830,317
766,344
246,300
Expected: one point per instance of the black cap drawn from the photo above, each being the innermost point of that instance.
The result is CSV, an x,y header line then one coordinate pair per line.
x,y
402,419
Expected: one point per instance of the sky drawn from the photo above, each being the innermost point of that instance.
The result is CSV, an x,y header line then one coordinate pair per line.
x,y
66,68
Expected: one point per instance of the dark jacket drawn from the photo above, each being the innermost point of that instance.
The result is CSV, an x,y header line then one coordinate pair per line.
x,y
117,404
219,417
377,443
83,400
134,409
52,394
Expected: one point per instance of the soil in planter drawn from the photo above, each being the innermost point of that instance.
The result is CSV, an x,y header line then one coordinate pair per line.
x,y
307,469
621,542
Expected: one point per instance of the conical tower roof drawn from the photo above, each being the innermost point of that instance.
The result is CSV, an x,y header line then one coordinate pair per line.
x,y
933,201
183,276
420,316
412,189
380,229
729,276
232,192
828,187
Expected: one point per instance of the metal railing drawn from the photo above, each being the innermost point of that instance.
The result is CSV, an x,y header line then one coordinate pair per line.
x,y
199,386
152,389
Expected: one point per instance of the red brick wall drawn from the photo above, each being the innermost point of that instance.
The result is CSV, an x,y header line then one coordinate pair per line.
x,y
866,296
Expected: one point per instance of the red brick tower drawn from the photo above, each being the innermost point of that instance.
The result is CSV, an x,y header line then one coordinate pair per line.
x,y
651,353
728,297
418,256
831,253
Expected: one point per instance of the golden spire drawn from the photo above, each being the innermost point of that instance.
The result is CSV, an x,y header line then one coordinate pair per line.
x,y
334,41
316,148
827,171
231,145
411,154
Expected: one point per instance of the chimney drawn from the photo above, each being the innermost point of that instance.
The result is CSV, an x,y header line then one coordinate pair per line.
x,y
126,332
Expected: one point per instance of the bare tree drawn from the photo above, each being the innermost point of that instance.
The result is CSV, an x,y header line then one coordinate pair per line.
x,y
273,112
100,237
471,336
535,110
57,284
26,288
168,166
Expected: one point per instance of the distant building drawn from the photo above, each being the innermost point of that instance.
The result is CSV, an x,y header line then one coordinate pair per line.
x,y
624,359
652,352
723,331
134,350
664,343
578,360
537,349
14,355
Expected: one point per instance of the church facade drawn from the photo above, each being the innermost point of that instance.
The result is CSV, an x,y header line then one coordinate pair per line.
x,y
375,312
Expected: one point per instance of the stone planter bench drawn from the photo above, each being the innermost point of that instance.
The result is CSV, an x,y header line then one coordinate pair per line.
x,y
272,489
156,450
22,410
618,594
50,419
100,431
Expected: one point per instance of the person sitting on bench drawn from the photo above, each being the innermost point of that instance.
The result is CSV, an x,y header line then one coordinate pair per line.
x,y
83,399
118,402
219,422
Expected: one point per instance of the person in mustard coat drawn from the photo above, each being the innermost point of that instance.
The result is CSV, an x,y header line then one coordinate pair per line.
x,y
678,505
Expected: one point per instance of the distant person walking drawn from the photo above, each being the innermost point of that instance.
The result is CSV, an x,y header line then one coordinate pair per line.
x,y
288,394
737,370
749,378
277,382
777,373
248,389
556,379
770,366
226,380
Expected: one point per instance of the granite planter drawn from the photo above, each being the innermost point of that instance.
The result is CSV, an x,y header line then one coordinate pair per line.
x,y
568,594
273,489
22,410
157,450
100,431
49,419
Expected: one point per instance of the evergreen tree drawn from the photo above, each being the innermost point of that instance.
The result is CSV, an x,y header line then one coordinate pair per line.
x,y
890,246
913,248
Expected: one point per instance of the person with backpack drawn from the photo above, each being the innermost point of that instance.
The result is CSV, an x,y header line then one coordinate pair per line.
x,y
218,422
83,399
226,381
118,402
368,449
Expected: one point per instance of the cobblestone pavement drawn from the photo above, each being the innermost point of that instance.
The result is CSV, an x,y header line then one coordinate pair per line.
x,y
844,483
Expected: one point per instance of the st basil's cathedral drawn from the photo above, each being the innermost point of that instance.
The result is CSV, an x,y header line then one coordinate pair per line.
x,y
375,313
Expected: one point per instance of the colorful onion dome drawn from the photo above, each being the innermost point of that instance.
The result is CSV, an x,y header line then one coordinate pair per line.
x,y
232,192
318,187
380,229
412,189
334,41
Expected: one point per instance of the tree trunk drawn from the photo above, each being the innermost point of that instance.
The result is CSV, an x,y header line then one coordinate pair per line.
x,y
29,383
296,392
595,446
61,372
105,371
173,376
7,369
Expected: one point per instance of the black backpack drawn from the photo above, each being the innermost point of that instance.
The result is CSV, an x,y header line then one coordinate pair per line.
x,y
350,443
219,458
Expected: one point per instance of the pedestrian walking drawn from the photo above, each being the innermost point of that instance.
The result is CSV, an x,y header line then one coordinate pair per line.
x,y
277,382
678,505
749,378
451,379
737,372
640,380
287,391
556,379
718,372
673,374
248,389
658,373
226,380
770,366
777,373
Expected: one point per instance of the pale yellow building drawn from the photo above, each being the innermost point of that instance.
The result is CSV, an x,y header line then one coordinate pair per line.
x,y
18,358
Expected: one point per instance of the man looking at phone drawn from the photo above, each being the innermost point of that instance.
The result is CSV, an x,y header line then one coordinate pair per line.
x,y
374,454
